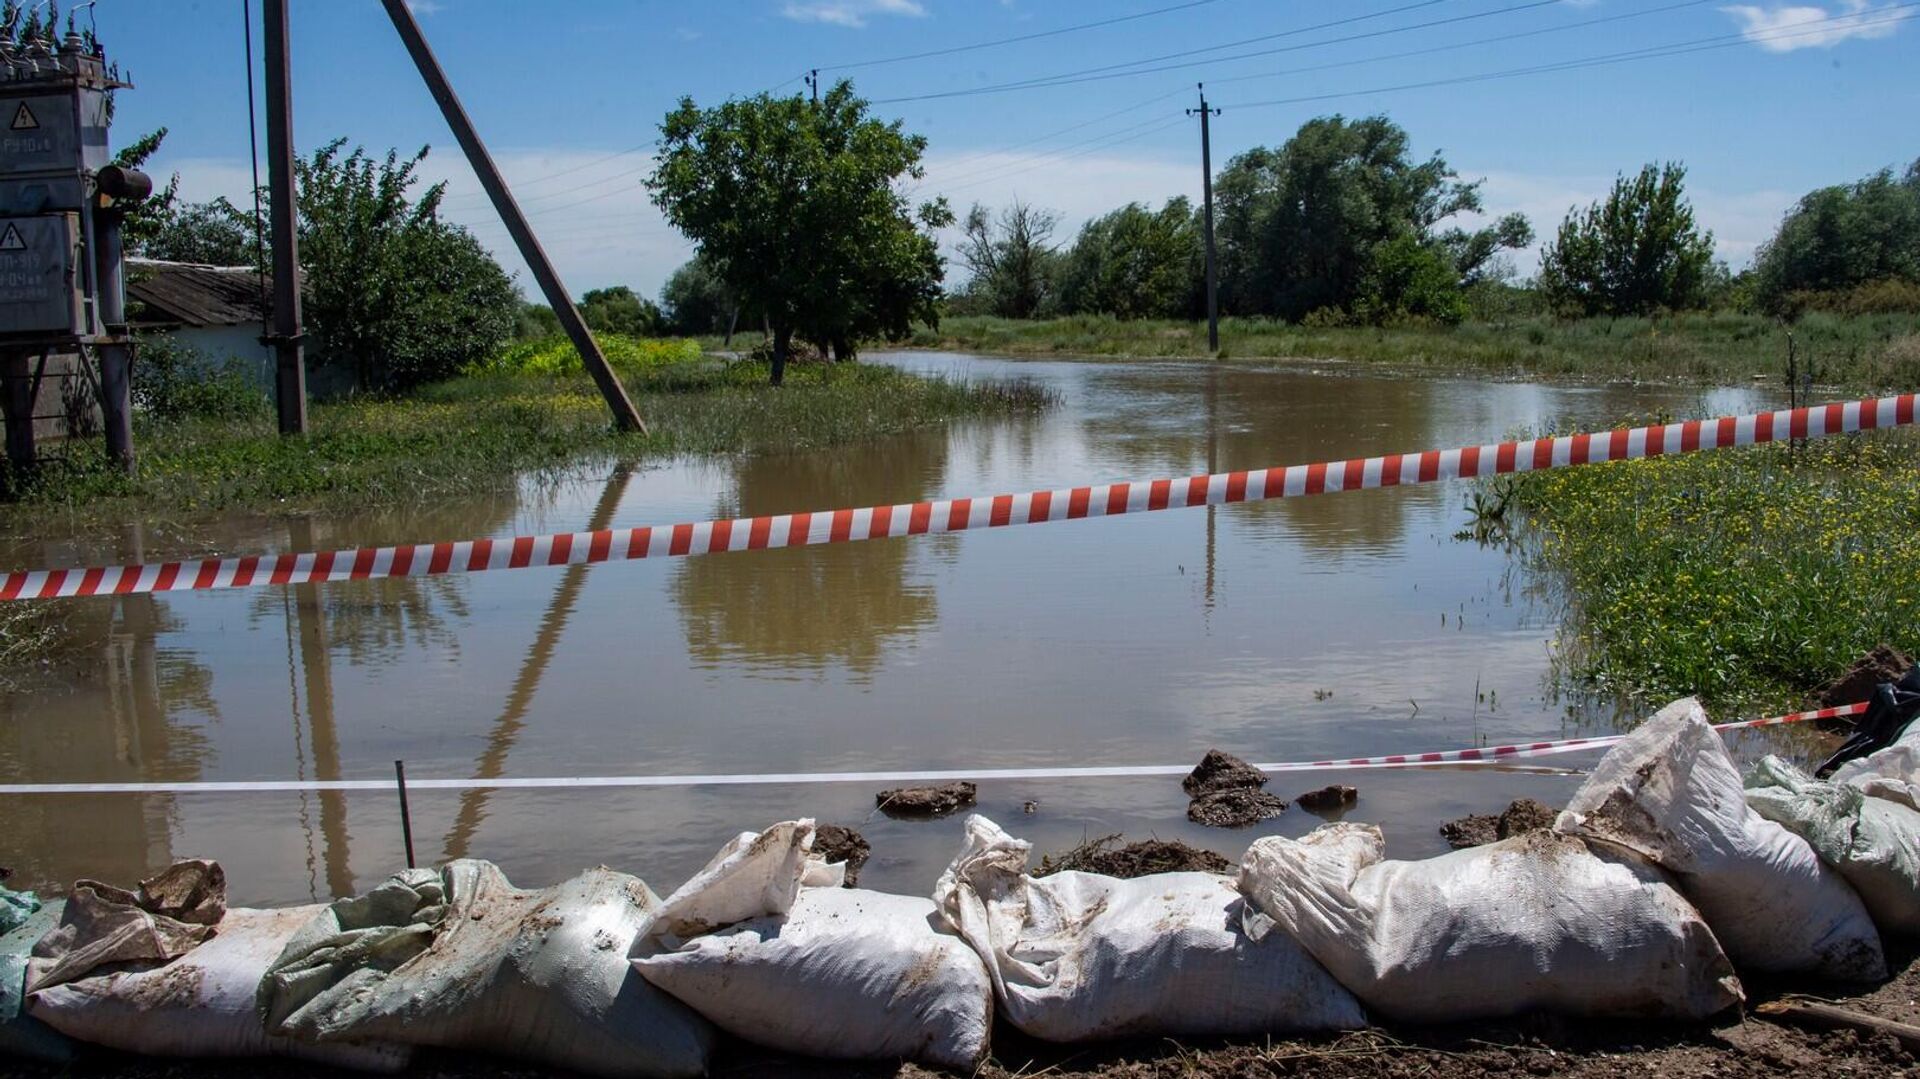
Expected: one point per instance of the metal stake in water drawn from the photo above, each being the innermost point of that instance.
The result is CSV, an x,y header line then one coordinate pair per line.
x,y
406,816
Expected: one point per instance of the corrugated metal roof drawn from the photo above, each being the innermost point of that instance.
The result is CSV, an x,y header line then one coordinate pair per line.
x,y
187,294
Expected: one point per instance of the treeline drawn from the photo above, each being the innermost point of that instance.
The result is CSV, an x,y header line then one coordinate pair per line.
x,y
1342,225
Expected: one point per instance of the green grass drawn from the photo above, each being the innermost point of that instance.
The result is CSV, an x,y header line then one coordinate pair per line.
x,y
482,431
1861,352
1747,576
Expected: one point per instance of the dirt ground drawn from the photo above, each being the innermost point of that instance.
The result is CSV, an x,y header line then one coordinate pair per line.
x,y
1544,1046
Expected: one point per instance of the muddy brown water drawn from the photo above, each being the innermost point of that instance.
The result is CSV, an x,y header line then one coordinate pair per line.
x,y
1293,630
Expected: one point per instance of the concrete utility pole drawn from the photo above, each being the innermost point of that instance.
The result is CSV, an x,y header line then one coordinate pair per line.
x,y
289,336
625,416
813,83
1206,176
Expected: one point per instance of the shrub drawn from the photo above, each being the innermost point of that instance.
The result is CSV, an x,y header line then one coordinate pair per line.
x,y
172,382
557,356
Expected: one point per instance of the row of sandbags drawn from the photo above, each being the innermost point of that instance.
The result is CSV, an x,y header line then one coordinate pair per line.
x,y
1656,885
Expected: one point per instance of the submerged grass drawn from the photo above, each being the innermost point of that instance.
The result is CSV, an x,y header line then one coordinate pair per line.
x,y
481,431
1747,576
1866,352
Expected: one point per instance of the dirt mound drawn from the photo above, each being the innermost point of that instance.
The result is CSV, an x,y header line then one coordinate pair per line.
x,y
837,844
1884,664
1219,771
1479,829
1333,799
1133,860
925,801
1236,807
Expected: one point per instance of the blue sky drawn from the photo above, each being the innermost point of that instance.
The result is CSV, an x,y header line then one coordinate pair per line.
x,y
1772,99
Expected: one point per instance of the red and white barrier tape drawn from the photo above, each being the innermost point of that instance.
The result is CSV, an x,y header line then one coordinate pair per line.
x,y
1483,755
961,514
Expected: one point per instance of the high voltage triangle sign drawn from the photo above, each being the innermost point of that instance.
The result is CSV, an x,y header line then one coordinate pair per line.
x,y
23,118
10,240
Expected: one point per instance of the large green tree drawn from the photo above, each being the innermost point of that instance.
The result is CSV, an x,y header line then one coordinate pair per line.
x,y
392,292
618,309
798,207
696,301
1841,237
1137,263
1634,253
1012,259
1301,227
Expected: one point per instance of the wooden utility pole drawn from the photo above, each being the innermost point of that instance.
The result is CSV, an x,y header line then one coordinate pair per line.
x,y
1206,177
288,336
625,416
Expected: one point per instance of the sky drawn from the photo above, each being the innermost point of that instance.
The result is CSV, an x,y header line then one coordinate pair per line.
x,y
1082,111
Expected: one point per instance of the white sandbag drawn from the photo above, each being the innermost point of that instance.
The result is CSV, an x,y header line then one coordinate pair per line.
x,y
1080,956
200,1004
1892,773
1873,842
461,959
1534,923
1670,793
808,967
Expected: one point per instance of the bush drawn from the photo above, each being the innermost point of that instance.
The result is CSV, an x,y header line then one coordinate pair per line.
x,y
171,382
557,356
1889,296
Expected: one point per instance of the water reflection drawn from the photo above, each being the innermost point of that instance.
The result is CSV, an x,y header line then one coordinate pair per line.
x,y
812,608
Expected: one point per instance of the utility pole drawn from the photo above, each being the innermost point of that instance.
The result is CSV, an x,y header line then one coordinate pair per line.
x,y
288,336
625,416
1206,177
813,83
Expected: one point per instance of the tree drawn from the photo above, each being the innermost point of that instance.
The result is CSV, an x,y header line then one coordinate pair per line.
x,y
1842,237
1011,259
697,301
1301,226
216,233
1637,252
798,209
619,310
1137,263
391,290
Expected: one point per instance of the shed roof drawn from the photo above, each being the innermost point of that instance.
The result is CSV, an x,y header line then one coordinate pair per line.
x,y
191,294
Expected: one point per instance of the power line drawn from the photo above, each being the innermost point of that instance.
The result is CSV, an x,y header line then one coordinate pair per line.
x,y
1112,71
522,185
1012,40
1678,48
987,169
1108,143
1494,39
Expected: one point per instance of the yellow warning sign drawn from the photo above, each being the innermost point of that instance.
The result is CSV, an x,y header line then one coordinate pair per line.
x,y
23,119
10,240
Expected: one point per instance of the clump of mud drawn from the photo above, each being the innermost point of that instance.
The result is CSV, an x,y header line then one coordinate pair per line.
x,y
1331,799
925,801
1884,664
837,844
1219,771
1133,860
1239,807
1478,829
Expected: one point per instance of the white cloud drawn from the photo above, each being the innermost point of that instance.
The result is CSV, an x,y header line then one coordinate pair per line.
x,y
1786,27
852,13
425,7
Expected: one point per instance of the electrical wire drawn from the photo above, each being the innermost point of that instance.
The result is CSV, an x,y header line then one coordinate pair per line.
x,y
1013,40
1158,126
253,148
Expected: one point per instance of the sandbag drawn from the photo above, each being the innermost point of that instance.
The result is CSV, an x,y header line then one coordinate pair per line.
x,y
459,958
1080,956
1873,842
168,916
1538,922
1892,773
1669,792
814,968
200,1004
15,909
22,1037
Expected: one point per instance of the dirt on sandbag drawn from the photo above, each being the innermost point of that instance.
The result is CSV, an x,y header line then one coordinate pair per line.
x,y
1884,664
837,844
921,802
1219,771
1238,807
1479,829
1330,799
1140,859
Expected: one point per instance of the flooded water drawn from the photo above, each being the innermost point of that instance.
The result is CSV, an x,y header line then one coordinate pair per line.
x,y
1342,625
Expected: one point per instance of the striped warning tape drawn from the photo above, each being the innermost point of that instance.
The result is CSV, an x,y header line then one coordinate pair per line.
x,y
961,514
1482,755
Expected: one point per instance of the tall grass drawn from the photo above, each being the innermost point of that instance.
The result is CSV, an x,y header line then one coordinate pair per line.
x,y
483,430
1864,352
1749,576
